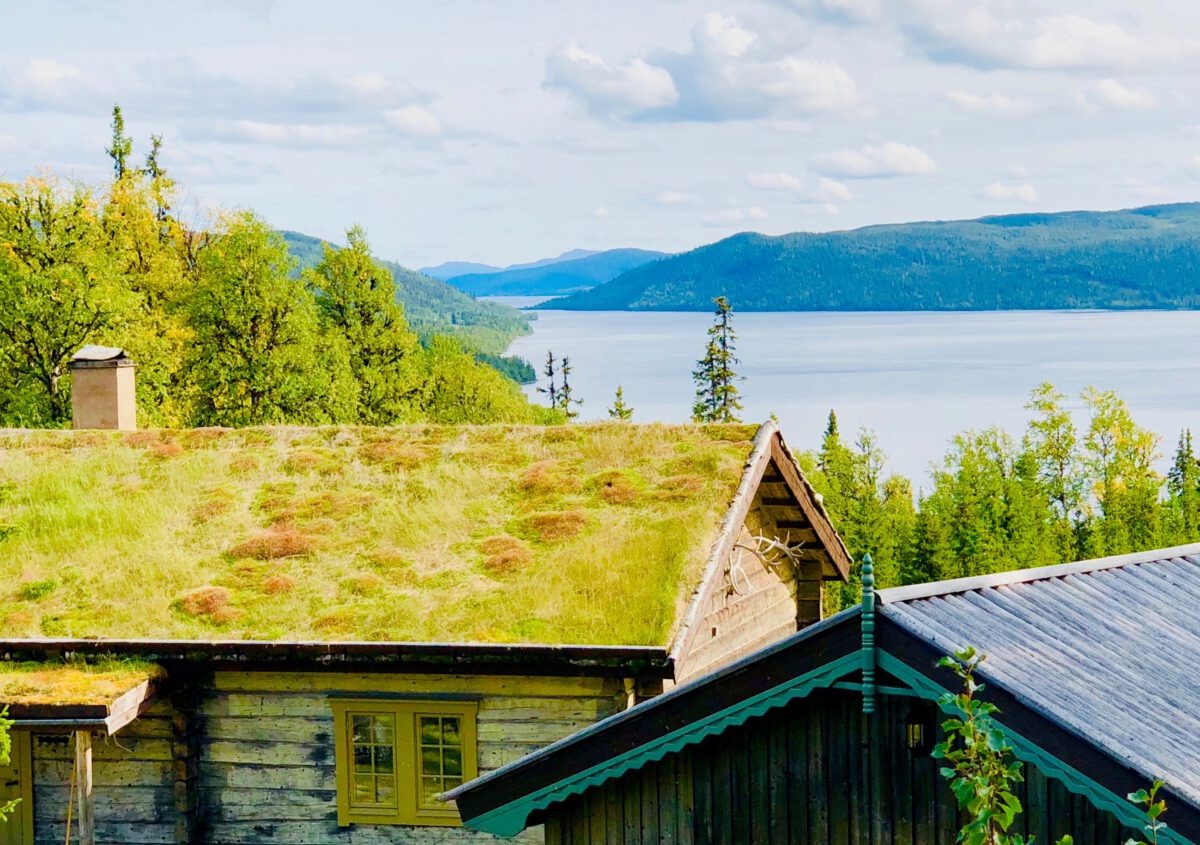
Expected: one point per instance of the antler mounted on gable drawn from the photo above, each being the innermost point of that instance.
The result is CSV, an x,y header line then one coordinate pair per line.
x,y
771,552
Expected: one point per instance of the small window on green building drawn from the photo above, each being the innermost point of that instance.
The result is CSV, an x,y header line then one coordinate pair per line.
x,y
394,758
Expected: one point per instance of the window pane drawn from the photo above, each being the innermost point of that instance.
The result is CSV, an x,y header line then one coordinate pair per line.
x,y
450,731
385,790
383,759
431,761
364,790
362,758
452,761
450,783
430,788
385,730
430,730
362,729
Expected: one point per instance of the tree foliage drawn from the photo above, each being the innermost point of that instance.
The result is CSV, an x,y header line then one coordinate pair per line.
x,y
1061,492
717,397
620,410
980,763
223,326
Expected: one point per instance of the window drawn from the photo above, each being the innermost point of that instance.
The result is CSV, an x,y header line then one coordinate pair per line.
x,y
394,758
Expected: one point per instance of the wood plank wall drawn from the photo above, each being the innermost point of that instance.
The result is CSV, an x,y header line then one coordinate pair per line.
x,y
806,775
262,766
737,622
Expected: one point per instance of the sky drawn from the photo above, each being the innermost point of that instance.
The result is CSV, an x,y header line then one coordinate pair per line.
x,y
508,131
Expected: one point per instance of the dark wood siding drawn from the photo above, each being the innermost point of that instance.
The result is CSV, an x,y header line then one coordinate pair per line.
x,y
813,773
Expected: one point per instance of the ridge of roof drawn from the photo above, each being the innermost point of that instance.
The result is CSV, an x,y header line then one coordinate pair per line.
x,y
933,589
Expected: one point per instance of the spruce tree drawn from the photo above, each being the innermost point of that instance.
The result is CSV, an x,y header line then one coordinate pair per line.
x,y
716,382
567,403
122,144
620,410
550,371
1183,486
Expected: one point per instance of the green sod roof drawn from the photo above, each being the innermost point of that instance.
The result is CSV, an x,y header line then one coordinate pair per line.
x,y
591,533
70,683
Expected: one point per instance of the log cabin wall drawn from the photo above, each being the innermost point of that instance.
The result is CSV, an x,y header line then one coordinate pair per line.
x,y
135,783
253,760
807,774
267,749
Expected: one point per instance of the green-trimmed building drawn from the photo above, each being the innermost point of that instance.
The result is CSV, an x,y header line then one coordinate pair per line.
x,y
825,737
306,636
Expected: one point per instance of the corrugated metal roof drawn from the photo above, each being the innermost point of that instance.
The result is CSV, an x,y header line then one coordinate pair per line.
x,y
1109,649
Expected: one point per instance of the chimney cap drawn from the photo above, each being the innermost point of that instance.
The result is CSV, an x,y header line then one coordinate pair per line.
x,y
100,356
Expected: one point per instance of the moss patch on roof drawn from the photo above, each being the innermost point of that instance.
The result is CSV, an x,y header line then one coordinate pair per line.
x,y
56,682
574,534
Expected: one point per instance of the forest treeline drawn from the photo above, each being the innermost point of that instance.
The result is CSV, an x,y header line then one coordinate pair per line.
x,y
225,327
1060,493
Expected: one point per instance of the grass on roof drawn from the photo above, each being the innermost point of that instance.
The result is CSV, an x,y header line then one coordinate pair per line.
x,y
577,534
56,682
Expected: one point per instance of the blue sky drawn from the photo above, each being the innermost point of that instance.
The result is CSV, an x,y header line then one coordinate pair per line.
x,y
506,131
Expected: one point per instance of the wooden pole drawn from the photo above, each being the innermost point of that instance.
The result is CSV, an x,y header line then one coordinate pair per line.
x,y
83,779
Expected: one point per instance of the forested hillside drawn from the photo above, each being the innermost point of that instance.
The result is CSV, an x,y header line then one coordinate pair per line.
x,y
225,325
555,278
1139,258
432,306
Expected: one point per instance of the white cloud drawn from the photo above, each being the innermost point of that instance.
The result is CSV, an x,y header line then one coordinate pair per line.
x,y
600,212
969,32
610,89
302,135
721,36
675,198
884,161
47,85
1011,192
728,73
1110,92
839,11
733,217
997,104
1192,166
825,191
414,120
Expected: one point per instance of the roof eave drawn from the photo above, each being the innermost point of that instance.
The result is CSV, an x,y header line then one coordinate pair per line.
x,y
481,658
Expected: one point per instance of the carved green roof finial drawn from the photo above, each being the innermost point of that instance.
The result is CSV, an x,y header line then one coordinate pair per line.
x,y
868,634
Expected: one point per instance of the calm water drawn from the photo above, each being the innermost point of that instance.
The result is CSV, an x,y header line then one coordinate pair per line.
x,y
915,378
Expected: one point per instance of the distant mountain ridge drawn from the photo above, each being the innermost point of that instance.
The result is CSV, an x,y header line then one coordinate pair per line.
x,y
450,269
1135,258
555,276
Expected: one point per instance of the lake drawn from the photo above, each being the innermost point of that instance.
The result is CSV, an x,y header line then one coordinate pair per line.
x,y
916,378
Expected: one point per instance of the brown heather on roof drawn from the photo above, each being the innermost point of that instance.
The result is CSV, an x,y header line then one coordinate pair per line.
x,y
590,533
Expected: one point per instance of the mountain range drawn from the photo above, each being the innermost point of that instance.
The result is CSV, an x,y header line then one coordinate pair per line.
x,y
551,277
450,269
1135,258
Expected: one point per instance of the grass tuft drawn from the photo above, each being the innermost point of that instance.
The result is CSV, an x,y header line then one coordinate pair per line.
x,y
35,590
554,526
616,487
279,542
278,585
504,555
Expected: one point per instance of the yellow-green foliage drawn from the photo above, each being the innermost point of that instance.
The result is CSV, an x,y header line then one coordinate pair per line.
x,y
75,682
581,534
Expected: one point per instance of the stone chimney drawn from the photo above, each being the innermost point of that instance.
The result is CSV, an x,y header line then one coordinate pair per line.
x,y
102,390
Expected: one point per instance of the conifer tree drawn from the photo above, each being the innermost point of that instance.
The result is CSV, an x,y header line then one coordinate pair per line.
x,y
716,382
567,403
620,410
1183,486
550,371
122,144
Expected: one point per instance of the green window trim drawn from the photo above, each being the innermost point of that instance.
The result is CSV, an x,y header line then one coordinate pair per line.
x,y
393,758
